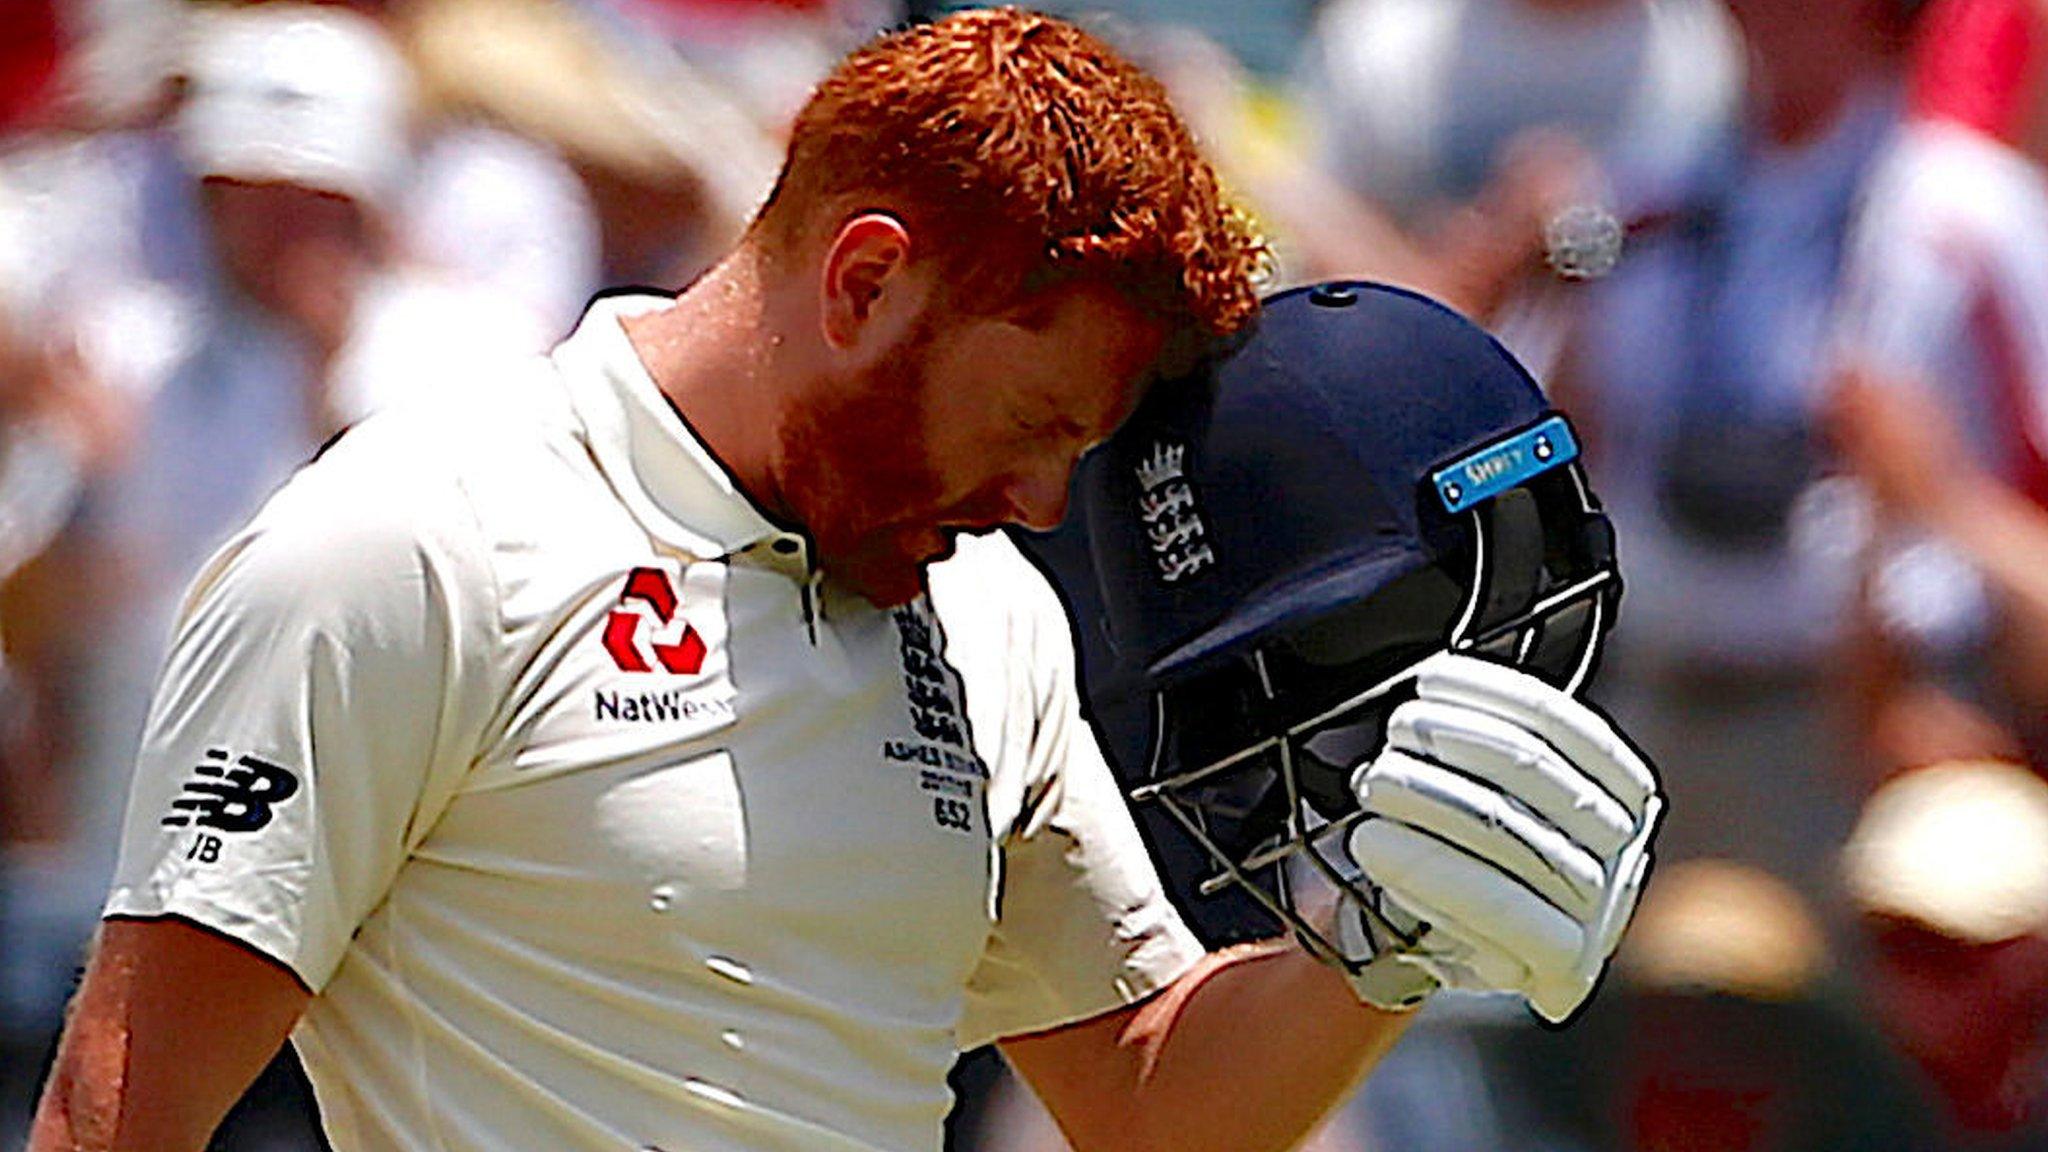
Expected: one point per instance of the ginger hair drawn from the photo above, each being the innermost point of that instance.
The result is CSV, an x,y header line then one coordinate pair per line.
x,y
1028,154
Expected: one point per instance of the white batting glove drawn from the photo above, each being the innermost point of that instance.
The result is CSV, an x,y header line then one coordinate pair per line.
x,y
1508,831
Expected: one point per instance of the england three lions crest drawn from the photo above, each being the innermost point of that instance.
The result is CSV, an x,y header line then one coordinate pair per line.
x,y
1173,520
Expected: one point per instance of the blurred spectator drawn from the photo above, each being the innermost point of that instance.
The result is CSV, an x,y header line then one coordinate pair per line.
x,y
67,204
117,55
1949,866
82,64
507,214
1418,101
202,303
1700,363
767,54
1724,1029
1718,927
1948,291
28,61
1943,530
1447,134
669,163
57,426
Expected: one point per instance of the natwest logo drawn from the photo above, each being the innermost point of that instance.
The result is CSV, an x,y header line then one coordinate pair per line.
x,y
652,587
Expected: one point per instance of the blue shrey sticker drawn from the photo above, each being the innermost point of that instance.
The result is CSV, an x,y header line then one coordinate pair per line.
x,y
1505,463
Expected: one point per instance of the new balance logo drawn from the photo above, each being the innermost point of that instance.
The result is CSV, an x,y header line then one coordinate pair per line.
x,y
683,656
237,798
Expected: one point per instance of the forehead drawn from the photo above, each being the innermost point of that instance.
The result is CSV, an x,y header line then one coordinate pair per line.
x,y
1084,345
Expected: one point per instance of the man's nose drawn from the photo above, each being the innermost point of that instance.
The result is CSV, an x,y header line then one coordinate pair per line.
x,y
1038,498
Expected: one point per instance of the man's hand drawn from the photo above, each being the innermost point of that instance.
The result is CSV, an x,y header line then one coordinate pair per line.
x,y
1896,437
1507,829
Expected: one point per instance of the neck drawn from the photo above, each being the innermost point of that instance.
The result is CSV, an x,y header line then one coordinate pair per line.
x,y
714,354
1802,76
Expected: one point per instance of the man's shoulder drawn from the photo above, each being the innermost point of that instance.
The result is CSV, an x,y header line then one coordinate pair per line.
x,y
516,404
1957,184
467,436
423,469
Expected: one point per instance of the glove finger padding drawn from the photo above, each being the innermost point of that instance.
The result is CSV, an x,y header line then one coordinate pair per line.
x,y
1582,736
1486,824
1516,822
1518,763
1467,898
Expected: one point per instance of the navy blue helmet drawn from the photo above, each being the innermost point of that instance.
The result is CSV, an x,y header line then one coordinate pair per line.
x,y
1365,479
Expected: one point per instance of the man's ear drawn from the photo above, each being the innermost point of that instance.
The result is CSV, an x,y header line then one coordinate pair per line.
x,y
866,259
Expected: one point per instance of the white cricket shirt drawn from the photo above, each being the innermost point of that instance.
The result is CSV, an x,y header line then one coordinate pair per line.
x,y
597,822
1947,282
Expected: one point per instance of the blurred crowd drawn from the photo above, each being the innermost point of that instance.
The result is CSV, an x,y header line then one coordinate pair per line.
x,y
1814,391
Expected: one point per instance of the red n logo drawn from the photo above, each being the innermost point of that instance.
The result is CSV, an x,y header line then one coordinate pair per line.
x,y
651,586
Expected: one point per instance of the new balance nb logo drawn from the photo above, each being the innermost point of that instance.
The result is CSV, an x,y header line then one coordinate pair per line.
x,y
237,798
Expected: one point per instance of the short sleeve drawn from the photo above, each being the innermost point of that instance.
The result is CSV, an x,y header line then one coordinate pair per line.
x,y
1905,298
1083,924
1911,269
314,713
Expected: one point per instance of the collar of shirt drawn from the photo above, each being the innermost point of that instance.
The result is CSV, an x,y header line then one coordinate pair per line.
x,y
664,475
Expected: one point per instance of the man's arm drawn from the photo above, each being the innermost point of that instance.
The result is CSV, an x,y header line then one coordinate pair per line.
x,y
171,1025
318,701
1167,1073
1895,434
1507,824
1902,442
